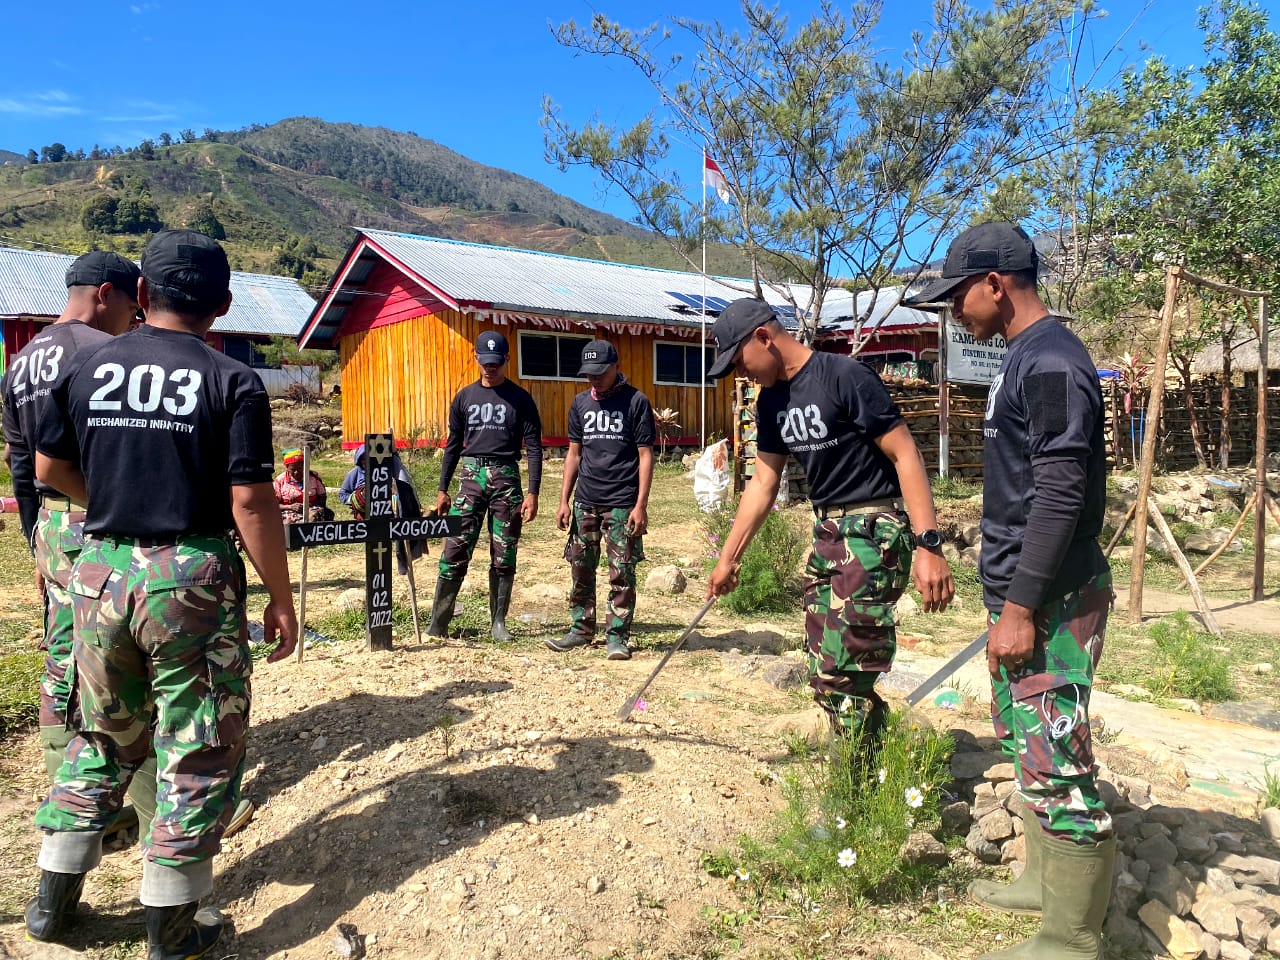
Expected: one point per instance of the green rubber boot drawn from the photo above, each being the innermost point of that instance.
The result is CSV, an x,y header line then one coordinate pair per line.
x,y
500,585
442,607
1075,891
1022,896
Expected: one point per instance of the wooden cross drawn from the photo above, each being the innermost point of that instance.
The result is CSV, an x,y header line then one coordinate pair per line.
x,y
380,528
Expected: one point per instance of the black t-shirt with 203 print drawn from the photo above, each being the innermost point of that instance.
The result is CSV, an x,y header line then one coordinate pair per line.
x,y
162,426
828,416
611,432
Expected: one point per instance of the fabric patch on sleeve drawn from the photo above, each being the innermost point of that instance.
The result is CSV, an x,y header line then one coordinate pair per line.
x,y
1046,395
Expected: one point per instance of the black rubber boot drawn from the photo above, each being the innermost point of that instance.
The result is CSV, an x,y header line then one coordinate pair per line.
x,y
568,641
442,607
54,906
173,933
500,585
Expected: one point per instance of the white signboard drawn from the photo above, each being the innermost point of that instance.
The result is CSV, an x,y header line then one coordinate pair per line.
x,y
972,361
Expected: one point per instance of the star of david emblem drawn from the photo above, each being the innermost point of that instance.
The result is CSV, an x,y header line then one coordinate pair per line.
x,y
380,449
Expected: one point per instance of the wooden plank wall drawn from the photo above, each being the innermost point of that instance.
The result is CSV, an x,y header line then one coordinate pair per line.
x,y
402,377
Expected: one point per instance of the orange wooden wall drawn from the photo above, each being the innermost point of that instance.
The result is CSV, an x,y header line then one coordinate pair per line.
x,y
402,377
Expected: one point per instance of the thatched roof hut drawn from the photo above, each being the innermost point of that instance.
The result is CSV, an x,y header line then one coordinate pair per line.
x,y
1244,353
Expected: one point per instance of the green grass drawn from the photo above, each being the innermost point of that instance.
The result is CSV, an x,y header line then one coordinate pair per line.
x,y
847,813
20,673
954,488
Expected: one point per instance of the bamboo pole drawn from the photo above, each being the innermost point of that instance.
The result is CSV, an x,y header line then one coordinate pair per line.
x,y
1124,525
1219,285
1148,463
1157,520
1260,459
302,576
1222,547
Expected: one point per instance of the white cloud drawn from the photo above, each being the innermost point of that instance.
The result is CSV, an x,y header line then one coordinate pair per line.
x,y
45,103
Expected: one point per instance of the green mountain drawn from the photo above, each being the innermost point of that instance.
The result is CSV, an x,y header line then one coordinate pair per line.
x,y
8,156
284,199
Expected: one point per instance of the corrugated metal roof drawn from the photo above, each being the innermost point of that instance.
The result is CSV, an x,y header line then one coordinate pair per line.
x,y
525,280
33,284
886,314
503,280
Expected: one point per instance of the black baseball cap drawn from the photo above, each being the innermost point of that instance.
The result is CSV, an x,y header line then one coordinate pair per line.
x,y
492,347
186,266
101,266
736,322
986,248
596,357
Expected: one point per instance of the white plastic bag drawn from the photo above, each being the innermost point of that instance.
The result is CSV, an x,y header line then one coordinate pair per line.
x,y
711,477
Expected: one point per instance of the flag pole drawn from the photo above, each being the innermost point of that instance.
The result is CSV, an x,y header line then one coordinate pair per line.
x,y
702,345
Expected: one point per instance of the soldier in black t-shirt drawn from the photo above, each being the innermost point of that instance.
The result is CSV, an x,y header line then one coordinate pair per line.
x,y
1046,582
869,489
610,462
161,650
102,300
489,420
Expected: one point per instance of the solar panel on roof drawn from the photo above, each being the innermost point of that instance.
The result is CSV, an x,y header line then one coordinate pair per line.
x,y
694,301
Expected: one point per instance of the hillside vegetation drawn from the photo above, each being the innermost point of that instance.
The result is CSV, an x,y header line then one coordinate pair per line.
x,y
284,199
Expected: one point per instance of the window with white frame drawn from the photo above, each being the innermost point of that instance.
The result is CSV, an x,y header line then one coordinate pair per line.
x,y
550,356
676,364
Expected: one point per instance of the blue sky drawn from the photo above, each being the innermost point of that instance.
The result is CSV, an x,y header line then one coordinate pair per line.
x,y
468,75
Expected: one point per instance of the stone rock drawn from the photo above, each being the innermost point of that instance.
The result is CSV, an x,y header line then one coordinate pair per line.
x,y
1002,775
784,673
1194,842
352,599
1216,914
1127,824
1136,789
1170,887
1180,942
1123,931
996,826
1254,928
1207,541
951,554
595,885
970,534
1158,851
1211,946
1148,829
984,800
1014,851
923,848
971,556
665,579
1111,797
1168,816
970,765
980,847
1271,823
1273,941
1218,881
1234,951
955,818
1262,871
905,608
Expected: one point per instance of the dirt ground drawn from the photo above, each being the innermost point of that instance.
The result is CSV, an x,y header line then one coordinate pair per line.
x,y
471,801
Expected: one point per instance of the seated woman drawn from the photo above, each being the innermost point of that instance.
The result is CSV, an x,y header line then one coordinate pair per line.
x,y
288,487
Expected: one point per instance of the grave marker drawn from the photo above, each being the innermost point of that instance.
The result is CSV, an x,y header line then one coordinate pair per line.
x,y
379,529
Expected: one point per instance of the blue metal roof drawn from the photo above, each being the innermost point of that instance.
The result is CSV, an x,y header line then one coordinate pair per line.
x,y
33,284
511,281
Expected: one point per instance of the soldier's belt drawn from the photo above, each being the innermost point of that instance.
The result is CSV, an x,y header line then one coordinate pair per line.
x,y
62,504
489,461
888,505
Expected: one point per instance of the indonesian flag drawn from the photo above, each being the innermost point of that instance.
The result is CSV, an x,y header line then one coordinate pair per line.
x,y
714,178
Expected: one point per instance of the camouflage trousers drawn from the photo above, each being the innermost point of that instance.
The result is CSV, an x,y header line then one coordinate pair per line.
x,y
161,659
56,540
859,566
589,527
1041,714
493,490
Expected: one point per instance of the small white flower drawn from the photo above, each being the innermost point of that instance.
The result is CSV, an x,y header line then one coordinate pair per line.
x,y
846,705
840,823
846,858
910,820
883,774
915,799
742,874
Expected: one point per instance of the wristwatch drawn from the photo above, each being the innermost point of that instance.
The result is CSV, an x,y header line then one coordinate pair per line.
x,y
929,539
